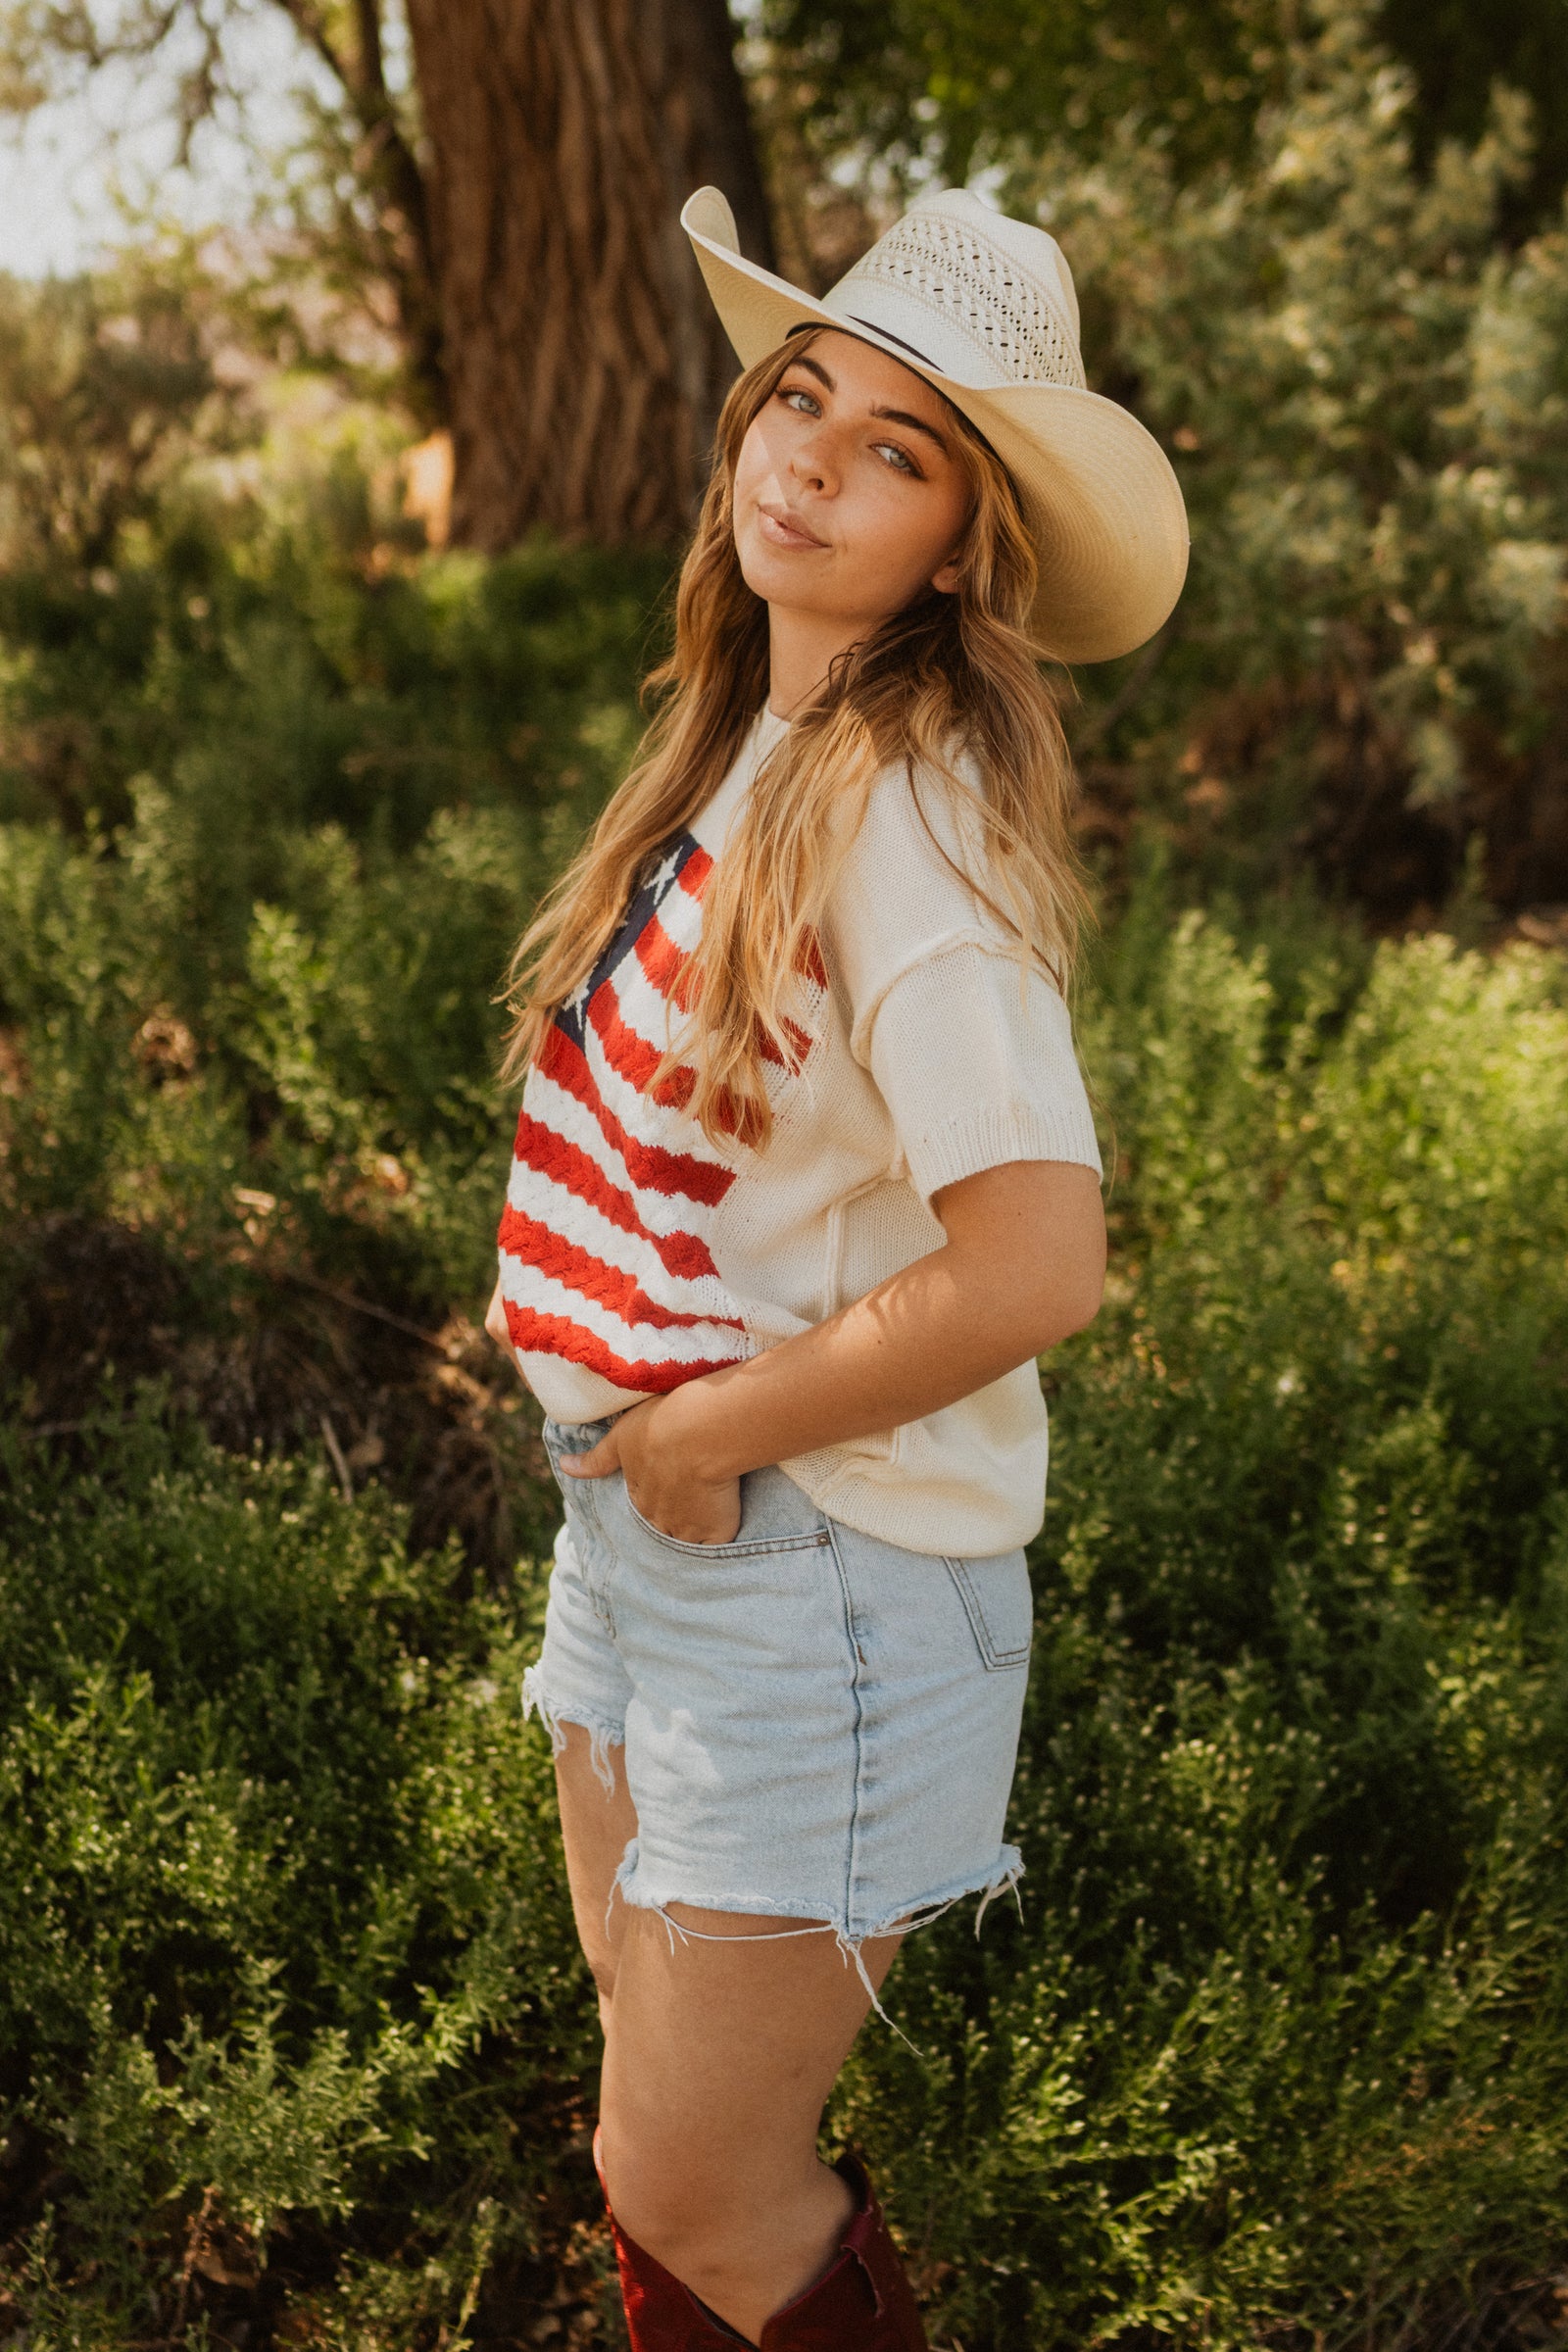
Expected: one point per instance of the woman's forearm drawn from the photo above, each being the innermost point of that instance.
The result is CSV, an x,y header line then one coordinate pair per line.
x,y
1021,1269
908,1348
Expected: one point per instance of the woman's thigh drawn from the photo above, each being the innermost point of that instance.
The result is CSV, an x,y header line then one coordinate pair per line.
x,y
597,1824
723,2038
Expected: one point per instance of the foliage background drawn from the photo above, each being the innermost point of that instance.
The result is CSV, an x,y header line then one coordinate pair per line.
x,y
295,2046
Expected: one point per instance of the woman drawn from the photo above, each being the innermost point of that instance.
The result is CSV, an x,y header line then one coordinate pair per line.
x,y
806,1180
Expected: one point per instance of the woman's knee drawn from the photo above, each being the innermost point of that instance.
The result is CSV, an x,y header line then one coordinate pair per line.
x,y
669,2196
724,2228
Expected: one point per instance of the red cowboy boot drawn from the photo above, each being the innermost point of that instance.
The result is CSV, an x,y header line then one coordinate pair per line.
x,y
863,2303
662,2315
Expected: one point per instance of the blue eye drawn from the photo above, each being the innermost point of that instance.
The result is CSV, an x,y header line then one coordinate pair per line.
x,y
791,394
898,457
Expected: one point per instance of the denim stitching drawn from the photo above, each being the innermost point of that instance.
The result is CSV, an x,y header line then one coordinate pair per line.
x,y
588,1538
739,1550
851,1862
991,1658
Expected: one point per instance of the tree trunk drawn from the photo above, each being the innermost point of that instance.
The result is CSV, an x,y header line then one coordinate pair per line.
x,y
584,365
383,219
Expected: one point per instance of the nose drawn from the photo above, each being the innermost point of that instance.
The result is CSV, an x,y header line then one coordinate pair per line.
x,y
811,462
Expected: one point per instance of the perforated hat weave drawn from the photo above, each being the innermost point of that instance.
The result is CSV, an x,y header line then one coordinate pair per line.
x,y
984,307
953,279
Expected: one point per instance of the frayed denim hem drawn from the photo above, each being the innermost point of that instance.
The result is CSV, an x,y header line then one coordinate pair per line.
x,y
602,1736
819,1918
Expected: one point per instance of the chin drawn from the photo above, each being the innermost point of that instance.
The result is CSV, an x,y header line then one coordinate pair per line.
x,y
768,571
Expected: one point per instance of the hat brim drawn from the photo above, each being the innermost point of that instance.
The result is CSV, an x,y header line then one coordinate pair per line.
x,y
1098,493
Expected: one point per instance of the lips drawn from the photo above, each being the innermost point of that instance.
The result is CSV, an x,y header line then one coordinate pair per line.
x,y
785,529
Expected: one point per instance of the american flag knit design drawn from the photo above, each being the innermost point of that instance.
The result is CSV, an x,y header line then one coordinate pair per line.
x,y
606,1240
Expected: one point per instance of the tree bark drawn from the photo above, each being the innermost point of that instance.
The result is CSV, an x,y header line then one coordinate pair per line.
x,y
584,366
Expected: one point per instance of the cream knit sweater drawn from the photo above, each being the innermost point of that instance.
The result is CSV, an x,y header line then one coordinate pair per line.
x,y
635,1256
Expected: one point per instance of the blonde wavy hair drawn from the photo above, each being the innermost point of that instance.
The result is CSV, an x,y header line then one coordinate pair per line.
x,y
951,681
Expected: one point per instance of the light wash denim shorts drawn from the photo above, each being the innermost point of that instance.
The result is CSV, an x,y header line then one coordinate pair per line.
x,y
817,1726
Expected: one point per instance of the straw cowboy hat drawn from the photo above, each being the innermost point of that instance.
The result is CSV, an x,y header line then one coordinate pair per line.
x,y
983,307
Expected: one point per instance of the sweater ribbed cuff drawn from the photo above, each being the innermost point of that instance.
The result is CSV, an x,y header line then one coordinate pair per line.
x,y
990,1139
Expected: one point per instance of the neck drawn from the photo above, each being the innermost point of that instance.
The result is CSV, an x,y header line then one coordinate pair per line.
x,y
802,649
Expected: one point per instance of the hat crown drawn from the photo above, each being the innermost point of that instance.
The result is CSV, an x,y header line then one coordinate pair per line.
x,y
986,299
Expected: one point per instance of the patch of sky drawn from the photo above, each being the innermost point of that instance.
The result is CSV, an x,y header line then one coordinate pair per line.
x,y
98,163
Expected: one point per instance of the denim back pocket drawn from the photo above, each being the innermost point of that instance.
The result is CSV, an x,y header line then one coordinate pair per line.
x,y
1000,1606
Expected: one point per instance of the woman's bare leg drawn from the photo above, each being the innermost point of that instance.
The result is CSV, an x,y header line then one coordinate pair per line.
x,y
597,1824
719,2060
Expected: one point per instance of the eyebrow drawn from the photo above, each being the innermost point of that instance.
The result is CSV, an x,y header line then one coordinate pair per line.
x,y
917,424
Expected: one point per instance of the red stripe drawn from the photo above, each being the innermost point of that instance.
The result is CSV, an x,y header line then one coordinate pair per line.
x,y
669,970
557,1335
548,1153
610,1287
631,1057
664,964
798,1039
647,1164
694,874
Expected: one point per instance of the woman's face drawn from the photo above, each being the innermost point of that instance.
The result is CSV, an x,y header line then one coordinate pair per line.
x,y
851,491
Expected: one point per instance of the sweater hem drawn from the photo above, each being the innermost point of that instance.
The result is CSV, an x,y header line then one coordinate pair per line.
x,y
909,1515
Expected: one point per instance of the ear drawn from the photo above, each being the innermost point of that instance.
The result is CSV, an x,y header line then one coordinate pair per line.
x,y
945,579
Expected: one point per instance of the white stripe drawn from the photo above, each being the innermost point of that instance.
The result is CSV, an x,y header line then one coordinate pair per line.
x,y
528,1286
578,1222
682,917
645,1009
562,1113
662,1124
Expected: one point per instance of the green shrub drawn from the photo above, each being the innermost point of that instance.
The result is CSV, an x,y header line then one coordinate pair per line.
x,y
217,599
247,1030
1361,386
1279,2050
287,1948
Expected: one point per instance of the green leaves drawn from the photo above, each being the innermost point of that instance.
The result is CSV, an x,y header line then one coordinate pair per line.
x,y
285,1932
1356,379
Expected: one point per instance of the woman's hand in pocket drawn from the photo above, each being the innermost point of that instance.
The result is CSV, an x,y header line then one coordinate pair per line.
x,y
663,1480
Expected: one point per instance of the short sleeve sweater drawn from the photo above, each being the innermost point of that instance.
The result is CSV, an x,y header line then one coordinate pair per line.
x,y
636,1255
